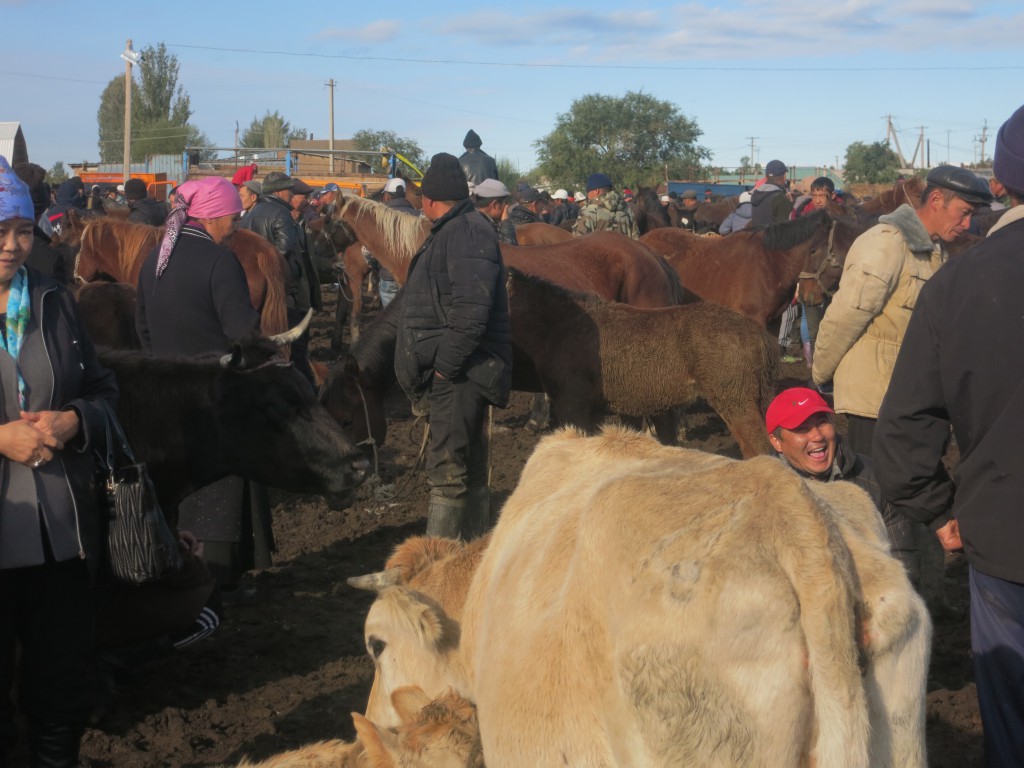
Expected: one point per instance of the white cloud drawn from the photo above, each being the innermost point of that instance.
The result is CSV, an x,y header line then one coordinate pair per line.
x,y
383,31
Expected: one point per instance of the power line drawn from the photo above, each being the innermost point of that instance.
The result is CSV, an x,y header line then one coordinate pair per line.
x,y
642,67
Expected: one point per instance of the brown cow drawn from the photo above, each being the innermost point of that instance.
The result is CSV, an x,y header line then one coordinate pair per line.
x,y
646,605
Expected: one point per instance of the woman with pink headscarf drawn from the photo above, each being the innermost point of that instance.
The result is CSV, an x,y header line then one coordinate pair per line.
x,y
193,297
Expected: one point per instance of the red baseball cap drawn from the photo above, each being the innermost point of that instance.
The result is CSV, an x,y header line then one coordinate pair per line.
x,y
792,407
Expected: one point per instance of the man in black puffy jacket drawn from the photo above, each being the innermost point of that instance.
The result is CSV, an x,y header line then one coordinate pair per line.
x,y
142,208
454,349
476,163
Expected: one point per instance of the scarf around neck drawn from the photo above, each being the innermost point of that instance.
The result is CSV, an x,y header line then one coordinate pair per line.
x,y
18,310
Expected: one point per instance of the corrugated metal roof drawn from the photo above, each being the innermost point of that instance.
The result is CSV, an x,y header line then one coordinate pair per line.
x,y
9,130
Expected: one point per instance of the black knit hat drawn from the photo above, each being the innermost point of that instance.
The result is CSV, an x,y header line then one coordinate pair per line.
x,y
472,140
1008,165
445,179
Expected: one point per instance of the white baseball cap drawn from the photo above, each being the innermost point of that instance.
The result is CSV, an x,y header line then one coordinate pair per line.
x,y
394,185
491,188
560,194
579,197
665,198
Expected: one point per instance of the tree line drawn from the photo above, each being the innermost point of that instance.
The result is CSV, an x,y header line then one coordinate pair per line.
x,y
637,139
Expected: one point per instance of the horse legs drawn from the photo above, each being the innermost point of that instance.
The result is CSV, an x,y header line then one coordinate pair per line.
x,y
540,412
666,427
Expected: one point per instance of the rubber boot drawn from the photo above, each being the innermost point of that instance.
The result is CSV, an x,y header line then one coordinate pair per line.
x,y
446,517
478,516
808,355
54,746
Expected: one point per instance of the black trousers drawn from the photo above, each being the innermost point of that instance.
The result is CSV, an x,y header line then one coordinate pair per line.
x,y
456,457
49,609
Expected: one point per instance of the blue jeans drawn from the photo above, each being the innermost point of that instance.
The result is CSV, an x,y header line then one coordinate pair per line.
x,y
388,290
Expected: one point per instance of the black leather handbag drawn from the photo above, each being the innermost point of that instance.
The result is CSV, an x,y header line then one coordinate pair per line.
x,y
140,545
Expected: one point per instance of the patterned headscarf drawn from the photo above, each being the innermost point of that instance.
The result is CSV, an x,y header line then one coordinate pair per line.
x,y
15,198
199,199
18,311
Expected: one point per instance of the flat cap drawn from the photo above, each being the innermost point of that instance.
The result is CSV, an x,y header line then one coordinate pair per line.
x,y
299,187
528,195
965,184
490,188
689,195
275,181
253,186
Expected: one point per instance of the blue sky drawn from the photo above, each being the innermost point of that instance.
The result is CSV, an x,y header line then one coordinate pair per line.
x,y
806,79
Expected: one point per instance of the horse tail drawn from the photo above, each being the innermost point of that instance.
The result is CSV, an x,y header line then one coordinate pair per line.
x,y
677,294
768,371
274,314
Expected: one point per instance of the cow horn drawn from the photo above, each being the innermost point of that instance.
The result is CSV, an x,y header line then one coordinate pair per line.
x,y
374,582
293,333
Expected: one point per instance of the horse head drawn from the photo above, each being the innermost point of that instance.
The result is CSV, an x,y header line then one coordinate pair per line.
x,y
823,267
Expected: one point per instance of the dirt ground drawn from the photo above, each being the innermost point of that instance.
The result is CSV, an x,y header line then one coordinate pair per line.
x,y
288,665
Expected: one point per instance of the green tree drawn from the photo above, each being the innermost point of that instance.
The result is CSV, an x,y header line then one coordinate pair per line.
x,y
57,174
373,141
160,110
271,130
871,163
632,139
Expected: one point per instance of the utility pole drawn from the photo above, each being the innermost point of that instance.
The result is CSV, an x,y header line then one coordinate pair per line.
x,y
890,135
330,141
984,138
130,57
919,147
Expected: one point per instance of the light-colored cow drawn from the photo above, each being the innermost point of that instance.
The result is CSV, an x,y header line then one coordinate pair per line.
x,y
640,605
439,733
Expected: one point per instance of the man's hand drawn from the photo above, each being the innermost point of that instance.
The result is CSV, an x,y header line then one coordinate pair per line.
x,y
949,537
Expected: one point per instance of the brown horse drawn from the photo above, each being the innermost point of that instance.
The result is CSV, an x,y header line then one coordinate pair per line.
x,y
648,210
751,272
540,233
117,250
903,191
604,263
709,216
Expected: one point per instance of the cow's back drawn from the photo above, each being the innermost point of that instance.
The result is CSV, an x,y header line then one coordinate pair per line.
x,y
641,605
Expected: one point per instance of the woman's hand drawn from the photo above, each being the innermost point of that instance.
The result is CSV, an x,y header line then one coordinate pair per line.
x,y
21,441
62,425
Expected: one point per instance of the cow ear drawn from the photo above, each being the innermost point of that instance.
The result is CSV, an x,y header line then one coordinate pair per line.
x,y
381,747
408,701
431,623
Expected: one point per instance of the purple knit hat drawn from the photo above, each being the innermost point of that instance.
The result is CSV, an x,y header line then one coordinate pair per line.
x,y
1008,163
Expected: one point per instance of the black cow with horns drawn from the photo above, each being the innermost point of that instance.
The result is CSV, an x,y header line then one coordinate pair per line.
x,y
248,413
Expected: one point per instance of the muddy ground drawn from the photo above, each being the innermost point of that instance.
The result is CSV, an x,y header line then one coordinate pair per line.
x,y
288,665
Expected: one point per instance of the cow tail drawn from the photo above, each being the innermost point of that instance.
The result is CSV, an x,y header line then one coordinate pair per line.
x,y
812,553
274,315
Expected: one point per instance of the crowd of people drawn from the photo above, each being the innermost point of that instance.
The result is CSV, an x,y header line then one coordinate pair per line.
x,y
914,351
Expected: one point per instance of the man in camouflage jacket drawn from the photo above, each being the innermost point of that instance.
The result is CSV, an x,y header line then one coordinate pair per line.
x,y
605,209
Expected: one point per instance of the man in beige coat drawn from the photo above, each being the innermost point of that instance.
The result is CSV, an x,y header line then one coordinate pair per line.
x,y
862,330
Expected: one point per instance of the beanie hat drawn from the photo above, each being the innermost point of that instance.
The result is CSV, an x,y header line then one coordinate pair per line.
x,y
275,181
1008,163
472,140
598,181
445,179
134,189
15,200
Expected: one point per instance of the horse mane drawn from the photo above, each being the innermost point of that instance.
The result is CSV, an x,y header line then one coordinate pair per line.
x,y
402,233
585,300
788,234
131,238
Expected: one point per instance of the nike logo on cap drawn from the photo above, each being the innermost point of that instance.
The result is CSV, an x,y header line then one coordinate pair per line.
x,y
801,402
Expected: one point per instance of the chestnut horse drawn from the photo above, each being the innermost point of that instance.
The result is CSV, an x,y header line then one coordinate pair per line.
x,y
904,191
608,264
751,272
117,249
540,233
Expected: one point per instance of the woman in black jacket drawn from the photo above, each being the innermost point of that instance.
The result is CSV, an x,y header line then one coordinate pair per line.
x,y
51,416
